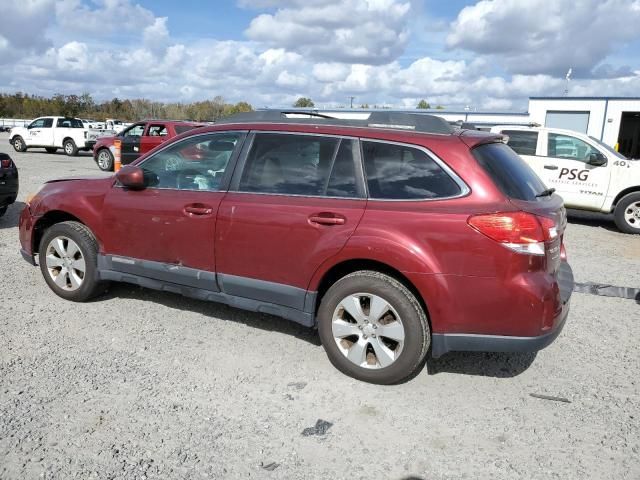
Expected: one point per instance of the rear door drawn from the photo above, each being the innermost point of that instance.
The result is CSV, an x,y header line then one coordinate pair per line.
x,y
154,134
131,142
294,201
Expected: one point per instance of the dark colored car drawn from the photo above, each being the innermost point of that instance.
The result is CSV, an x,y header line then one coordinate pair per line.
x,y
9,182
395,237
138,139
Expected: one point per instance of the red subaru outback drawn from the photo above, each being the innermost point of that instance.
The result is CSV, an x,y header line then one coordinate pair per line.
x,y
395,236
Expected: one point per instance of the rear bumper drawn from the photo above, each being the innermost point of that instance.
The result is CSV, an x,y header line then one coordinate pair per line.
x,y
8,188
442,343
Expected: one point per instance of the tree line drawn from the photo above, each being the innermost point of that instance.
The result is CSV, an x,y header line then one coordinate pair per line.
x,y
21,105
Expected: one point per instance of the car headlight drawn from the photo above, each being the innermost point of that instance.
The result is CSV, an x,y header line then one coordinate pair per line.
x,y
32,196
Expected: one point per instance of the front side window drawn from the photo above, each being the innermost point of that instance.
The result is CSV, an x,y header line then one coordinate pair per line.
x,y
196,163
39,123
399,172
568,147
134,131
522,142
300,165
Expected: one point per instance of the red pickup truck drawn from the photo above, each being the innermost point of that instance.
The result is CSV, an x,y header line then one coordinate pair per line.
x,y
137,139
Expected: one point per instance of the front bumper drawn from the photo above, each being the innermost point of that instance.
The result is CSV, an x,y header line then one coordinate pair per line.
x,y
442,343
89,144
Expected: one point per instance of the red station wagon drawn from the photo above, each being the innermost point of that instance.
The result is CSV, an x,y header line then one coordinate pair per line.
x,y
395,236
138,139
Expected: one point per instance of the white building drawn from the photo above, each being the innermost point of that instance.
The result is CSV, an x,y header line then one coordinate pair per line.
x,y
613,120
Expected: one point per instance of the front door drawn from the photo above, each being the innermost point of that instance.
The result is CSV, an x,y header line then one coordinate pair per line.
x,y
293,204
565,167
41,132
130,139
166,231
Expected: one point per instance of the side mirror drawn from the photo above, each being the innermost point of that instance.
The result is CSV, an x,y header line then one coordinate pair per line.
x,y
131,177
597,159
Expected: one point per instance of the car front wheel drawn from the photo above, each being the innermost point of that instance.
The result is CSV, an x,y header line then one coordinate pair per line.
x,y
68,261
105,160
19,145
627,213
373,328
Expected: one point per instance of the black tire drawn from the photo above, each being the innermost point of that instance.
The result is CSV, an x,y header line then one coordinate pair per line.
x,y
3,210
417,336
91,284
627,213
51,149
104,159
18,144
70,147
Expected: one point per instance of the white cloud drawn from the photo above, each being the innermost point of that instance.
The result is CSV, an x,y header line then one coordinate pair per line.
x,y
541,36
110,16
350,31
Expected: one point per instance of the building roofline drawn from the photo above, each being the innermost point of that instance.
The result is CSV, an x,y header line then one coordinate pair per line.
x,y
585,98
430,111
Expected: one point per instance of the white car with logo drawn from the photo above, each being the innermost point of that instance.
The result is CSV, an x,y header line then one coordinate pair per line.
x,y
52,133
585,172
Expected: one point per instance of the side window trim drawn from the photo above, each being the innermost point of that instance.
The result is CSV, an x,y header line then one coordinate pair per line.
x,y
464,188
248,144
233,160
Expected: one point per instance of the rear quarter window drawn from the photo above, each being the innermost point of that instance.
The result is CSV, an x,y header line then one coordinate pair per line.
x,y
400,172
509,172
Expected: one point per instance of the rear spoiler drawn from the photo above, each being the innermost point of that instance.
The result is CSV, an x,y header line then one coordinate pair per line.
x,y
475,138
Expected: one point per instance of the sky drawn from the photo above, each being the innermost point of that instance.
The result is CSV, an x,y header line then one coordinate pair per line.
x,y
482,55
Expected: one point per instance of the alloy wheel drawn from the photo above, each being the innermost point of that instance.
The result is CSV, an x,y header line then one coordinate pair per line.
x,y
632,215
368,330
65,263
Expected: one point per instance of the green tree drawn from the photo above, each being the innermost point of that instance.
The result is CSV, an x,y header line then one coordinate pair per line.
x,y
423,105
304,102
439,107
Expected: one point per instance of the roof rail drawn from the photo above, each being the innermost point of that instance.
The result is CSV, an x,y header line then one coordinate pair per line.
x,y
417,122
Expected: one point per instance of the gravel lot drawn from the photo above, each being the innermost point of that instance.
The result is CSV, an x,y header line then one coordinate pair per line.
x,y
139,384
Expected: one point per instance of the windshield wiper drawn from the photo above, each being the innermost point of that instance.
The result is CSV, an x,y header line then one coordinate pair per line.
x,y
546,193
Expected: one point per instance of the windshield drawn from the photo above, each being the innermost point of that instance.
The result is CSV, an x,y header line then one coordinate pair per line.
x,y
608,148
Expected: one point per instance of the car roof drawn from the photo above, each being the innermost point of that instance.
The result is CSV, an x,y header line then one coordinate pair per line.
x,y
563,131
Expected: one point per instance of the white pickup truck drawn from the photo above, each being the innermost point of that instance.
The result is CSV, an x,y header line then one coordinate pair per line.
x,y
115,125
52,133
585,172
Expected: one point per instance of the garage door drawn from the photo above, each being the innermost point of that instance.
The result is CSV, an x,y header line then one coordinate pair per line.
x,y
576,121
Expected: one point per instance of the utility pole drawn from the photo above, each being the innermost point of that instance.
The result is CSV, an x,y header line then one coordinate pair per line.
x,y
351,98
568,78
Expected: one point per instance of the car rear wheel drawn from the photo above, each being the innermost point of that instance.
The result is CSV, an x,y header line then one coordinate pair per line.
x,y
627,213
105,160
70,147
68,261
51,149
19,145
373,328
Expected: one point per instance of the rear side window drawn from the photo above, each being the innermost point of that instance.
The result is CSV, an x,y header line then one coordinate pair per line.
x,y
300,165
399,172
522,142
509,172
69,123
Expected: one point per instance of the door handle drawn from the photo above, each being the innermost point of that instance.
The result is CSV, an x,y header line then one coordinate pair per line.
x,y
198,209
327,218
551,167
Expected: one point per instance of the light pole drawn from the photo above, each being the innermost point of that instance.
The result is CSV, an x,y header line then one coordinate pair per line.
x,y
351,98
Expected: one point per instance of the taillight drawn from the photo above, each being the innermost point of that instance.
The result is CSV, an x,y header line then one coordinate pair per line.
x,y
522,232
6,163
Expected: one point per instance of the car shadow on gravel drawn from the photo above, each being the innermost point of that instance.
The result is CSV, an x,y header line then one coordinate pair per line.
x,y
10,219
497,365
219,311
592,219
